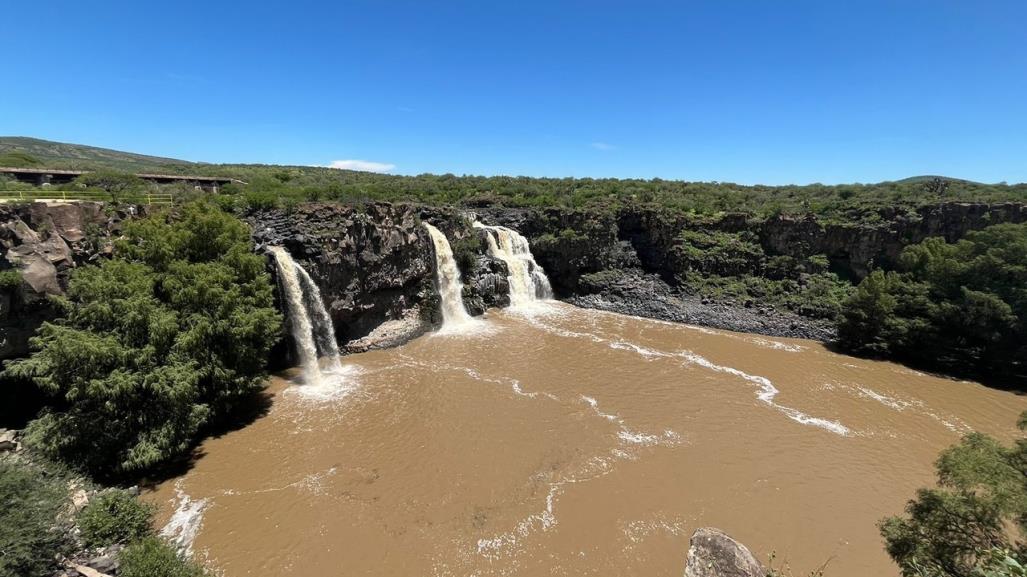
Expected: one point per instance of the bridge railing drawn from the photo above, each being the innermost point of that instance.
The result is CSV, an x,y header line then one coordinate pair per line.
x,y
86,195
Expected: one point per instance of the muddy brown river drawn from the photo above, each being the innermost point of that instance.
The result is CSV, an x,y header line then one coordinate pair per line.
x,y
560,441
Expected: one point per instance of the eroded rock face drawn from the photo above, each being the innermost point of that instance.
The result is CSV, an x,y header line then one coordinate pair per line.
x,y
45,242
712,553
372,263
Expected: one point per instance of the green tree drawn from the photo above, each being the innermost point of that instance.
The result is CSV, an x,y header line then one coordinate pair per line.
x,y
114,182
159,341
974,522
950,305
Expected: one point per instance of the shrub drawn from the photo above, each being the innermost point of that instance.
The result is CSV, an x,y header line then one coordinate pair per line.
x,y
973,524
465,253
601,280
32,534
10,279
153,557
112,181
114,517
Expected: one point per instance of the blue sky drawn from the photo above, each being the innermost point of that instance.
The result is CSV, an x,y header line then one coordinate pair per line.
x,y
750,91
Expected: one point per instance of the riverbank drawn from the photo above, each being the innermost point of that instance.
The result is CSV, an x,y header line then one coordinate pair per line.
x,y
638,294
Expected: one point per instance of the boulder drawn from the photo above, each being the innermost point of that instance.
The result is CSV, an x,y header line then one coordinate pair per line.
x,y
8,441
713,554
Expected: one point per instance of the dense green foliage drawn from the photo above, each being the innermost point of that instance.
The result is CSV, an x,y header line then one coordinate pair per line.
x,y
10,279
111,181
852,202
153,557
734,266
32,533
114,516
974,523
159,341
465,253
959,305
284,185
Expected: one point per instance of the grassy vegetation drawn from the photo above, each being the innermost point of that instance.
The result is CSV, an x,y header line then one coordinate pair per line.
x,y
10,279
153,557
115,516
34,531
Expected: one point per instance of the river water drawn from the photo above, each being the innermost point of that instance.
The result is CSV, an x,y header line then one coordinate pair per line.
x,y
552,440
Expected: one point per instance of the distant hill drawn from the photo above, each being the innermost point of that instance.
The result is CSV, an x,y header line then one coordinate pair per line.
x,y
79,156
930,177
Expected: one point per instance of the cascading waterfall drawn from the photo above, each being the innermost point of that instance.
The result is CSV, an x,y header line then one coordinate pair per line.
x,y
324,330
311,326
451,286
528,282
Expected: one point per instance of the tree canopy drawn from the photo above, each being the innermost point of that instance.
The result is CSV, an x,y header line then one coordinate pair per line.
x,y
974,523
949,305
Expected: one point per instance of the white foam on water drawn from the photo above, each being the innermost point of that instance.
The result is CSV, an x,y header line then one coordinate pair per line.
x,y
767,393
766,389
185,522
333,385
883,399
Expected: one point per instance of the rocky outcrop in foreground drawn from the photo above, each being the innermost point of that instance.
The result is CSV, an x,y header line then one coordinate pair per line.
x,y
713,554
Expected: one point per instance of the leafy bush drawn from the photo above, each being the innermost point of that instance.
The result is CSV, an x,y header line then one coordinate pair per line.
x,y
956,305
153,557
166,337
114,516
32,534
112,181
974,523
10,279
465,253
714,252
598,281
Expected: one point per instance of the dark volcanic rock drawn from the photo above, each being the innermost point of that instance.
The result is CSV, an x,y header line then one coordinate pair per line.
x,y
372,263
633,292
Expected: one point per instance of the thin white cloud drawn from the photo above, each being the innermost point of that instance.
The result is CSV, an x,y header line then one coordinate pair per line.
x,y
603,146
362,165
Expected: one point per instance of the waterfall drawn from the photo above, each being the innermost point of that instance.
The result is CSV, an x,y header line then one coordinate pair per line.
x,y
311,326
324,330
447,276
528,282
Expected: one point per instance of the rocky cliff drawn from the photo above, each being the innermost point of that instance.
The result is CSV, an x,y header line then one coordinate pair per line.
x,y
44,243
375,266
640,260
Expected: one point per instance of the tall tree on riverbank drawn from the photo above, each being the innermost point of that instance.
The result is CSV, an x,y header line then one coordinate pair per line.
x,y
164,338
